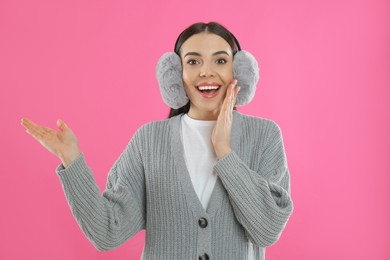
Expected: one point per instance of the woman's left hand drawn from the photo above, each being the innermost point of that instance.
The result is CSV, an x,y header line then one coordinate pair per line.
x,y
221,132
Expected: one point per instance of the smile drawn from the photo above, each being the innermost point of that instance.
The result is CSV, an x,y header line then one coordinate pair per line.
x,y
208,91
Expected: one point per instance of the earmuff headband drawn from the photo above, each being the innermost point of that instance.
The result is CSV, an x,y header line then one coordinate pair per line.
x,y
170,77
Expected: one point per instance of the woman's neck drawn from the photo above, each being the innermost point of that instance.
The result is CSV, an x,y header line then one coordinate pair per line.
x,y
203,115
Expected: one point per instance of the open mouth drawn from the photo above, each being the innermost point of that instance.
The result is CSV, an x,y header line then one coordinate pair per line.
x,y
208,91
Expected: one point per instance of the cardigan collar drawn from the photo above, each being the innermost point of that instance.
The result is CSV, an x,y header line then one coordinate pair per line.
x,y
219,193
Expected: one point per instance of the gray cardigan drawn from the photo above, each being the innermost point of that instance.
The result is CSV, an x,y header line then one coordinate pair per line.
x,y
149,188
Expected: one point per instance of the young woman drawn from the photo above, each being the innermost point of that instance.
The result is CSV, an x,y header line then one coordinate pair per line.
x,y
207,183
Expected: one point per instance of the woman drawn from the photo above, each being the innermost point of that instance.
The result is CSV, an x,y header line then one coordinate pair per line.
x,y
208,183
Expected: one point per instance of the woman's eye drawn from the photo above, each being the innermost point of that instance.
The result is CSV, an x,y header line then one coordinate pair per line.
x,y
192,62
221,61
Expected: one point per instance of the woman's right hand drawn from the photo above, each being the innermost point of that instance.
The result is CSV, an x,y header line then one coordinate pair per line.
x,y
62,143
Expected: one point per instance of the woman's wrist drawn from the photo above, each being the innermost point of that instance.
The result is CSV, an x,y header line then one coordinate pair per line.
x,y
223,152
69,159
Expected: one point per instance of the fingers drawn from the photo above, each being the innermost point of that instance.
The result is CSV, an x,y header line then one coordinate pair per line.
x,y
26,122
33,129
236,90
232,88
229,95
29,125
61,125
232,95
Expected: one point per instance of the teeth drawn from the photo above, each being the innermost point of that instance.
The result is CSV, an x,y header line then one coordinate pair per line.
x,y
207,87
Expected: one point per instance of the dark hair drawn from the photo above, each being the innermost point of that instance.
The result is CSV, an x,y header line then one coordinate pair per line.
x,y
211,27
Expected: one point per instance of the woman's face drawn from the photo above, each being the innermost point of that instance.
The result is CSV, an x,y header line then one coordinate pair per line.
x,y
207,72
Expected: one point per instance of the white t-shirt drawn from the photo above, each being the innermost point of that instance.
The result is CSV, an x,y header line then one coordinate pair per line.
x,y
200,159
199,156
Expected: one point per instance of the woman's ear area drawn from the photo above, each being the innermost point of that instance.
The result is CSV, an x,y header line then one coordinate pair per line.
x,y
246,72
169,75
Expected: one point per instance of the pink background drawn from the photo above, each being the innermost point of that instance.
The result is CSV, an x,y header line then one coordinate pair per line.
x,y
325,79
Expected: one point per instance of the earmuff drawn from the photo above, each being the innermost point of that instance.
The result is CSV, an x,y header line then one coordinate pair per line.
x,y
170,78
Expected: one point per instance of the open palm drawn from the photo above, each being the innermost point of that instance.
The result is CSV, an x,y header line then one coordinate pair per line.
x,y
62,142
220,136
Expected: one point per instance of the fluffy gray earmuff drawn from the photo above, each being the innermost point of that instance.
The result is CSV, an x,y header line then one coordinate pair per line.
x,y
170,79
246,72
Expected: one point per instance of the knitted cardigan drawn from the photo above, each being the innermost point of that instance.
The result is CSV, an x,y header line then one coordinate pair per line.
x,y
150,188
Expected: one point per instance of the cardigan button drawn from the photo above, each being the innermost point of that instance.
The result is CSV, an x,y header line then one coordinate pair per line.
x,y
202,222
204,257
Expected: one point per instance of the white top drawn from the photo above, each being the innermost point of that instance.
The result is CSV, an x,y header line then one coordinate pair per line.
x,y
199,156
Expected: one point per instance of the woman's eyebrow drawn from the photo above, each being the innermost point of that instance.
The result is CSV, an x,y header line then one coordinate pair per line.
x,y
192,53
220,52
198,54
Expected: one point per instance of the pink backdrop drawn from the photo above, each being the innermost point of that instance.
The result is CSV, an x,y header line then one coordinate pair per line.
x,y
325,79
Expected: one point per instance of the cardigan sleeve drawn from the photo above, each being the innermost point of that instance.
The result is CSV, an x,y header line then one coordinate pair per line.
x,y
260,198
110,219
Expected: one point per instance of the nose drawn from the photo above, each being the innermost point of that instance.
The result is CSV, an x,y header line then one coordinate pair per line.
x,y
206,71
